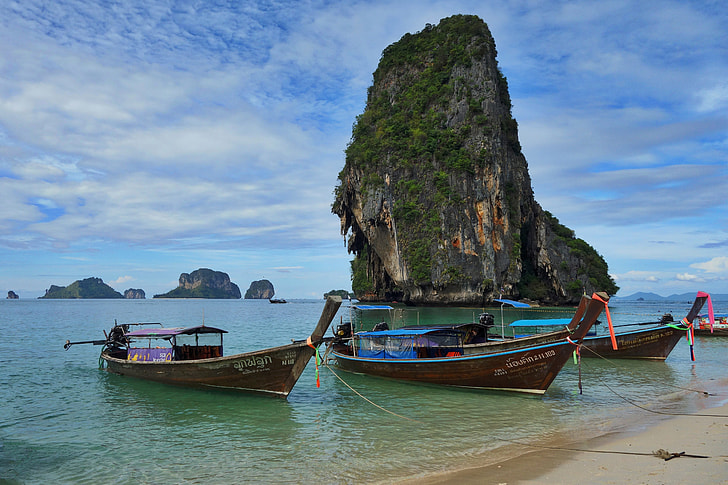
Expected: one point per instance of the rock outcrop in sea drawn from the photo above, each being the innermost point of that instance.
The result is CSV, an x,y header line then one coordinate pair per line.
x,y
12,295
435,195
260,290
91,288
135,294
342,293
204,283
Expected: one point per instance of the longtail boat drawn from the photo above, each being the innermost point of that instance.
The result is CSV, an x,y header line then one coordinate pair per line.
x,y
440,355
193,357
719,327
653,343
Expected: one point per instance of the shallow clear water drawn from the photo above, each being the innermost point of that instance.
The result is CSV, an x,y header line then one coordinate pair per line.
x,y
64,420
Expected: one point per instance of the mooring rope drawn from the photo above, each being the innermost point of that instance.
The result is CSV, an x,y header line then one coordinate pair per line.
x,y
661,453
612,362
369,400
629,401
633,403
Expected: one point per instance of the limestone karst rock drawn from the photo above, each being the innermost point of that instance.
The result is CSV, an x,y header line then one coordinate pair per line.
x,y
134,294
435,194
204,283
260,290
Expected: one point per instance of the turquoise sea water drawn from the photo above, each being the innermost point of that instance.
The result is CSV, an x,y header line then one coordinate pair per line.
x,y
65,421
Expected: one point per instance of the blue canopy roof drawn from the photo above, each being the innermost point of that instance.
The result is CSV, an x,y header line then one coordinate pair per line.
x,y
515,304
546,322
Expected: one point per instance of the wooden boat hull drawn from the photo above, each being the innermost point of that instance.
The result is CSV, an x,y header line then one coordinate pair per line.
x,y
720,326
271,371
653,343
529,370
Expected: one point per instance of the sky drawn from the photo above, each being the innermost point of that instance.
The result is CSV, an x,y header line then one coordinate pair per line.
x,y
144,139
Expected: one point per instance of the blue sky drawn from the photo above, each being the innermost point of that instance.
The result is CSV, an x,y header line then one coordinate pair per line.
x,y
140,140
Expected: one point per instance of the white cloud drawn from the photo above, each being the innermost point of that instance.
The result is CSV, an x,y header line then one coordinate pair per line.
x,y
713,98
716,265
122,279
636,276
689,277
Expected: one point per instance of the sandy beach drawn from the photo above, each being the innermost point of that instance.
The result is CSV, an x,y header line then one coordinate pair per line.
x,y
622,458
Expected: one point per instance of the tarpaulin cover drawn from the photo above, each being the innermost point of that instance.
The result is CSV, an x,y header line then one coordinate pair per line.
x,y
513,303
404,343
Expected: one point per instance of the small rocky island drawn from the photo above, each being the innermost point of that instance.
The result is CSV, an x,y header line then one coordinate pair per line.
x,y
260,290
12,295
204,283
346,295
135,294
92,288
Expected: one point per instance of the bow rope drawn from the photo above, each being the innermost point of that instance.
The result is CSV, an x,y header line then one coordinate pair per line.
x,y
577,359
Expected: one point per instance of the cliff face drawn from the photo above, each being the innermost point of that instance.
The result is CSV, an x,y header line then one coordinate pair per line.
x,y
135,294
204,283
435,193
260,290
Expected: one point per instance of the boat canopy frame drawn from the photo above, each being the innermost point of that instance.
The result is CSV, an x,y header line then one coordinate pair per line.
x,y
184,342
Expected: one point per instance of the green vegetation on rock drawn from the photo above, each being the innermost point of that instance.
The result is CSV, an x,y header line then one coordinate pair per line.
x,y
92,288
260,290
342,293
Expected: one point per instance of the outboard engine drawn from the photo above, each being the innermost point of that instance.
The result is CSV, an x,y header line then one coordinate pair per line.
x,y
343,331
666,318
380,326
116,338
487,320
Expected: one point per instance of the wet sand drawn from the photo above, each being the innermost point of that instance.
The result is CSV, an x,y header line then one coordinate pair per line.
x,y
621,458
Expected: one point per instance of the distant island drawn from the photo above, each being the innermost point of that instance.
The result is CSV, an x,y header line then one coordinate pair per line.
x,y
92,288
260,290
12,295
342,293
135,294
204,283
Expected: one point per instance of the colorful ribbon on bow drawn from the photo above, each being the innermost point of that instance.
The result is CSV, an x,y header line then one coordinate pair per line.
x,y
310,344
609,320
690,336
